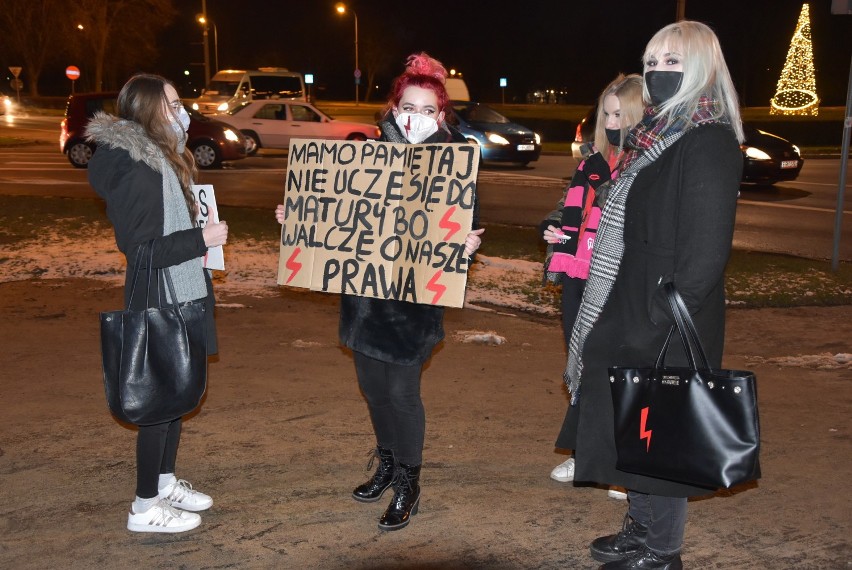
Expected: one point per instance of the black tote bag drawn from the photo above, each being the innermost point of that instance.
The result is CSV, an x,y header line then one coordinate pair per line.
x,y
155,359
692,425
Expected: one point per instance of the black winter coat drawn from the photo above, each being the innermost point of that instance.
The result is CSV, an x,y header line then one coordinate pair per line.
x,y
393,331
678,228
133,192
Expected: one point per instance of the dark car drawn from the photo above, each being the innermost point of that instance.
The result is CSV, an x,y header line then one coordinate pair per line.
x,y
499,139
211,141
767,158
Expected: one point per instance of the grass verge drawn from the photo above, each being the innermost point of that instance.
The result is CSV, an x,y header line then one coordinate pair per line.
x,y
753,279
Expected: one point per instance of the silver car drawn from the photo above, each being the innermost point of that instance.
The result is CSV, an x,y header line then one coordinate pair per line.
x,y
272,123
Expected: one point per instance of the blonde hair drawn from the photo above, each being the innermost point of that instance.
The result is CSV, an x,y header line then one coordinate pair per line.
x,y
705,72
628,90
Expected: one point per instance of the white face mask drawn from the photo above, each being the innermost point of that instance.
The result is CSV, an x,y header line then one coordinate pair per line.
x,y
180,127
416,127
183,117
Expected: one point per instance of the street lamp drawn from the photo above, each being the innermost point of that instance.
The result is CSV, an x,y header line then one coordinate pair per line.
x,y
204,21
341,9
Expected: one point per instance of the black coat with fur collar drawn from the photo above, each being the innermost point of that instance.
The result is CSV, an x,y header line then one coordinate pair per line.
x,y
124,172
392,331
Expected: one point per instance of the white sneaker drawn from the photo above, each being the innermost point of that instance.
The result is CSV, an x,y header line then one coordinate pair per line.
x,y
564,472
162,517
181,495
614,493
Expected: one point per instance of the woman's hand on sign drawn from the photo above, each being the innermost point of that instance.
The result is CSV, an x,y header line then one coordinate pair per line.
x,y
473,241
279,213
215,234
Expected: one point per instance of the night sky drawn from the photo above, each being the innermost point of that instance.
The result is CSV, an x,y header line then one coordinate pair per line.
x,y
575,45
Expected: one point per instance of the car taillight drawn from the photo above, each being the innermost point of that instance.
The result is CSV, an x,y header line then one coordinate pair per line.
x,y
578,136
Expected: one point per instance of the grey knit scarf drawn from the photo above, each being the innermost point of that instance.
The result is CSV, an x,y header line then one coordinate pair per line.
x,y
606,259
188,277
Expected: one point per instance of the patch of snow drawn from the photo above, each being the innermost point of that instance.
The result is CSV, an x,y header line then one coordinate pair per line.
x,y
490,338
305,344
251,268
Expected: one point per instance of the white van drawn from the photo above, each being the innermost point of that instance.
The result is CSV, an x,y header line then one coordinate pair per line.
x,y
457,89
231,87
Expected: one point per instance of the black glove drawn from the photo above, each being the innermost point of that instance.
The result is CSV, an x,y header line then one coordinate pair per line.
x,y
597,170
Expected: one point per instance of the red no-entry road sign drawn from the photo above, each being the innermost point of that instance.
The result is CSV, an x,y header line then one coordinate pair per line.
x,y
72,72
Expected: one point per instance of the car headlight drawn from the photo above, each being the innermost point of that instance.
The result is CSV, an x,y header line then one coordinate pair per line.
x,y
7,103
231,135
796,149
222,107
496,139
537,138
756,153
195,106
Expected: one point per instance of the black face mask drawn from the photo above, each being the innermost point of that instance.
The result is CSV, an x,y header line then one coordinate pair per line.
x,y
613,136
662,85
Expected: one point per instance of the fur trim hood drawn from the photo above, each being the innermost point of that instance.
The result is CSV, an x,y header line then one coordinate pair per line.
x,y
105,130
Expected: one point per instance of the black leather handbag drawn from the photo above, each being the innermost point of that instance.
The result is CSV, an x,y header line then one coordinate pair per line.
x,y
155,359
692,425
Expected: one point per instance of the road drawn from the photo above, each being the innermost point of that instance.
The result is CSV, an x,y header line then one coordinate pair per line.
x,y
792,217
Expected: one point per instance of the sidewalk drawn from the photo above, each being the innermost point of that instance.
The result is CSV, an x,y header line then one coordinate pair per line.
x,y
283,435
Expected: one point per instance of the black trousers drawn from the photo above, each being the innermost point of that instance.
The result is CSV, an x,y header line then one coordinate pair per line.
x,y
156,453
392,392
572,295
665,518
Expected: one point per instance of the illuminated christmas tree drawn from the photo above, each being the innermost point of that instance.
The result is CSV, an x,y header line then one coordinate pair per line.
x,y
796,93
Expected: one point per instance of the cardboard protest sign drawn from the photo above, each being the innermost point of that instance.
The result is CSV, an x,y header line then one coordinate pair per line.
x,y
208,213
377,219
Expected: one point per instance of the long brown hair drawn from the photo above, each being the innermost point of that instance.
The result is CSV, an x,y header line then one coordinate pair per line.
x,y
143,101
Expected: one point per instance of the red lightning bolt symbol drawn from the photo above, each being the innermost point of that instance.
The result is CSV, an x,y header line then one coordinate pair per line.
x,y
643,433
433,285
449,225
293,265
408,127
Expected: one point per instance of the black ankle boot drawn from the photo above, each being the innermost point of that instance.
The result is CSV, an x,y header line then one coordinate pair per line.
x,y
372,490
405,500
645,559
620,546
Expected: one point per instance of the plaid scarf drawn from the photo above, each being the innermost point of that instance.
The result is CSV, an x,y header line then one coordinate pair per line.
x,y
646,142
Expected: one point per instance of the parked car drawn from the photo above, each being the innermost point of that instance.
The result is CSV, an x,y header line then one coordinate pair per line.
x,y
499,139
211,141
272,123
767,158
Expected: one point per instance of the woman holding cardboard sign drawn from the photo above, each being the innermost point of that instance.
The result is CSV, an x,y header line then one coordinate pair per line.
x,y
390,340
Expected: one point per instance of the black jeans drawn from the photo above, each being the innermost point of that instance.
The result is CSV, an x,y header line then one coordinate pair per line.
x,y
156,452
665,518
392,392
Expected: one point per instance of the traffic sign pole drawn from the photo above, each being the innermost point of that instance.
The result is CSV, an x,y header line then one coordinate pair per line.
x,y
16,71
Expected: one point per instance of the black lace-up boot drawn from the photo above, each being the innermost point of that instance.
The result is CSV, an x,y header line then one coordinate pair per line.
x,y
372,490
620,546
645,559
405,498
